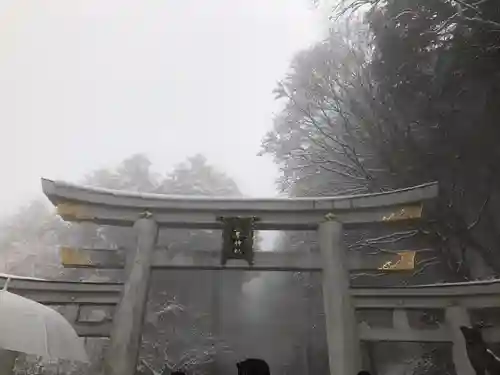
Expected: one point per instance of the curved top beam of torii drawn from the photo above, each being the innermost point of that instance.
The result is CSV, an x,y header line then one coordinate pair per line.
x,y
113,207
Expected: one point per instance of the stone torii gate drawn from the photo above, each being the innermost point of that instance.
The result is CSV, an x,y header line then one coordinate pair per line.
x,y
146,213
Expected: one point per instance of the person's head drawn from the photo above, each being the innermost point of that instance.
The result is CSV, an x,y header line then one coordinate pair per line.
x,y
363,372
253,366
472,335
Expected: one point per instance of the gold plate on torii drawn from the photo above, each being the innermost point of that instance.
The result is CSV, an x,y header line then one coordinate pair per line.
x,y
237,238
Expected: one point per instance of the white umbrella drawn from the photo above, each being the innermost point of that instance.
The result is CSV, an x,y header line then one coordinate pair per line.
x,y
29,327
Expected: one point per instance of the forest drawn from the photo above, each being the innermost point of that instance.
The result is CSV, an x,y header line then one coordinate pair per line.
x,y
400,93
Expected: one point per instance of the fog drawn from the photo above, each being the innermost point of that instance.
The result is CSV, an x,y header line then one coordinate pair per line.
x,y
86,83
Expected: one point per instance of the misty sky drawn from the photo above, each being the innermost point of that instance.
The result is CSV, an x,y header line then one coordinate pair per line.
x,y
86,83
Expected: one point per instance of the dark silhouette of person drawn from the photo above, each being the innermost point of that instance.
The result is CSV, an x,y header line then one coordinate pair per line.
x,y
482,359
363,372
253,366
167,371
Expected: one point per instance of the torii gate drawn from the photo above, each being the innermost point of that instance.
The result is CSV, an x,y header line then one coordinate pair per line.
x,y
237,218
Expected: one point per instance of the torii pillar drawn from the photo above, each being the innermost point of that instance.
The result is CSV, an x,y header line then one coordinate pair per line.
x,y
122,354
341,326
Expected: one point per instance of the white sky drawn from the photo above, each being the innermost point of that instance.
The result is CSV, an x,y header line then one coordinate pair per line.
x,y
86,83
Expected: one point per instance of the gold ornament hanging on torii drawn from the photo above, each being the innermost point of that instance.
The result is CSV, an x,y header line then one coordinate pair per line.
x,y
237,238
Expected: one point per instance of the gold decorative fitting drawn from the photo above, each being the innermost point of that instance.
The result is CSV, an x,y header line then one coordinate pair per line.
x,y
406,261
330,216
146,214
70,211
71,256
405,213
